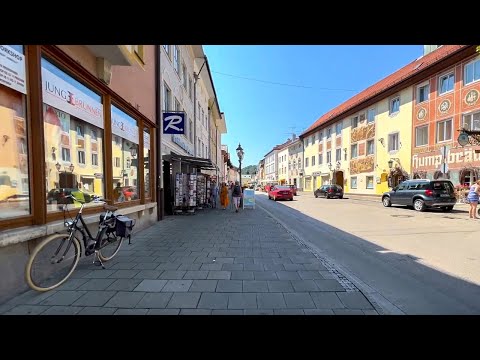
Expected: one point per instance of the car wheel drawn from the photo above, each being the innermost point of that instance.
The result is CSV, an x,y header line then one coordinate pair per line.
x,y
326,196
274,198
419,205
315,195
291,199
340,197
447,208
386,201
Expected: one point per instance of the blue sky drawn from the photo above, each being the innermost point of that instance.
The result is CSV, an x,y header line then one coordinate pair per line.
x,y
261,115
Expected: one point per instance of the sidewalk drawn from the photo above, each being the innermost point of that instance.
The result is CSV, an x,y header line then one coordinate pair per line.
x,y
214,262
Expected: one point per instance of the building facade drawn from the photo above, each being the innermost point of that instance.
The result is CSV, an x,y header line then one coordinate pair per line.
x,y
295,163
271,165
283,165
89,130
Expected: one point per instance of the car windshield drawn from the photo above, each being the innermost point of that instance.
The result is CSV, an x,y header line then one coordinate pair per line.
x,y
444,185
282,188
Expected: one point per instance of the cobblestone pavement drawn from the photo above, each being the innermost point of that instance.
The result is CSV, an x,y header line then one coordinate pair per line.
x,y
214,262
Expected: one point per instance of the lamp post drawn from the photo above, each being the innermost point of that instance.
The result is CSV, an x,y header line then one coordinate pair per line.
x,y
240,154
390,163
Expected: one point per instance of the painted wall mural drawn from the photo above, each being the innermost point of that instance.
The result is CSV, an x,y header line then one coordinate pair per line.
x,y
363,133
363,165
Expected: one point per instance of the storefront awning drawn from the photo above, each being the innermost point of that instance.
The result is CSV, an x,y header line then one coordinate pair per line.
x,y
200,163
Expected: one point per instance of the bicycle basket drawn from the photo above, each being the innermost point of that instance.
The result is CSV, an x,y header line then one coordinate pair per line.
x,y
124,226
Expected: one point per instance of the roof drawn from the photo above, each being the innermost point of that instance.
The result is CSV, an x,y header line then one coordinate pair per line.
x,y
415,67
195,161
279,147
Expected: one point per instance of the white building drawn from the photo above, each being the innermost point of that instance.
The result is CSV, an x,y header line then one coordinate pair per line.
x,y
283,165
295,162
271,165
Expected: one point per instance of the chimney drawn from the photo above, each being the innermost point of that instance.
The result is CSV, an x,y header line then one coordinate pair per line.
x,y
294,137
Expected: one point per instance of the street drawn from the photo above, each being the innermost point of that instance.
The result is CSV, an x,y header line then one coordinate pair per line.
x,y
413,263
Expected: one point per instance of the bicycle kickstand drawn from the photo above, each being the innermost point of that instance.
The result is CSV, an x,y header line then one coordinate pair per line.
x,y
99,260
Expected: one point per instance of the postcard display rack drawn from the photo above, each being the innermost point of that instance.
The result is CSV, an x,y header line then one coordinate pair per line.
x,y
185,193
209,191
201,191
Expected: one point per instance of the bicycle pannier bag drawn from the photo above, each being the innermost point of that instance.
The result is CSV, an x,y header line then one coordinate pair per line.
x,y
124,226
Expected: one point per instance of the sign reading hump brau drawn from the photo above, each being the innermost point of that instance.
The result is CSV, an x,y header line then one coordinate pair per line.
x,y
455,158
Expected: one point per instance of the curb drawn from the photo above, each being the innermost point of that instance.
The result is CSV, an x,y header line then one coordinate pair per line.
x,y
349,281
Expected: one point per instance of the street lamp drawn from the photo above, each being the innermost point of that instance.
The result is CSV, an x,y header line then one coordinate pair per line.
x,y
71,167
390,163
240,154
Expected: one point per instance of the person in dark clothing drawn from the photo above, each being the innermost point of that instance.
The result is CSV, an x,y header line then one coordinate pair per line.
x,y
237,195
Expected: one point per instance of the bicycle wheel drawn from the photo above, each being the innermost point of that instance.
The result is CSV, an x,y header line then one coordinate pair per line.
x,y
110,247
52,262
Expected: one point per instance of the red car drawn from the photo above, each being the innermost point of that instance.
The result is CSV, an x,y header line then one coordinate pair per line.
x,y
294,189
280,193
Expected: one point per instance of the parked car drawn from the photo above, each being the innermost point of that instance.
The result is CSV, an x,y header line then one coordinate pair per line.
x,y
294,189
59,194
329,191
279,192
422,194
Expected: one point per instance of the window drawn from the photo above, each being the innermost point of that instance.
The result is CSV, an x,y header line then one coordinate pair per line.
x,y
446,83
338,128
320,159
313,139
471,121
78,132
369,181
176,105
353,182
190,130
338,154
313,160
190,87
354,151
329,157
81,157
176,58
125,127
147,160
472,72
370,147
395,105
184,76
320,136
444,130
95,159
393,142
354,122
306,162
421,135
329,133
116,162
306,142
167,49
371,115
14,176
423,93
203,118
167,101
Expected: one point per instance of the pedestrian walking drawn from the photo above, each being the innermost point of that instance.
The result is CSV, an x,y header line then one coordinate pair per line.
x,y
237,195
214,194
224,196
473,197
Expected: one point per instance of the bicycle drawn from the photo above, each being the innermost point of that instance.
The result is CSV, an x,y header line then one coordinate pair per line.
x,y
51,257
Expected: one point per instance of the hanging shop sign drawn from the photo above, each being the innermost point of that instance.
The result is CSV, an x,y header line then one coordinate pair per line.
x,y
12,69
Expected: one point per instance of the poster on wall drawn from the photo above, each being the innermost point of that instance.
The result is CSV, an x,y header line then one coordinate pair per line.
x,y
66,97
12,69
124,125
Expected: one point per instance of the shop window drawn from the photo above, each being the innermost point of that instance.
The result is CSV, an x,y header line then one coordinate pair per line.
x,y
73,122
125,177
353,182
146,162
14,175
369,181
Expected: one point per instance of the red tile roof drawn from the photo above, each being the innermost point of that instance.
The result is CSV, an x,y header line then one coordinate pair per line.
x,y
407,71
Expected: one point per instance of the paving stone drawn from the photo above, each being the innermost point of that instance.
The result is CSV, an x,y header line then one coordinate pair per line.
x,y
124,284
184,300
154,300
370,312
273,267
124,299
145,259
72,284
280,286
151,285
310,275
219,275
195,312
348,312
211,267
293,267
327,275
314,266
196,274
172,274
177,285
243,260
229,286
148,274
270,301
163,312
123,266
131,312
99,274
94,298
65,297
27,310
304,285
168,266
253,267
265,275
189,267
124,274
62,310
242,301
242,275
329,285
354,300
97,284
146,266
258,312
227,312
318,312
298,300
255,286
203,286
213,301
288,275
232,267
288,312
97,311
326,300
